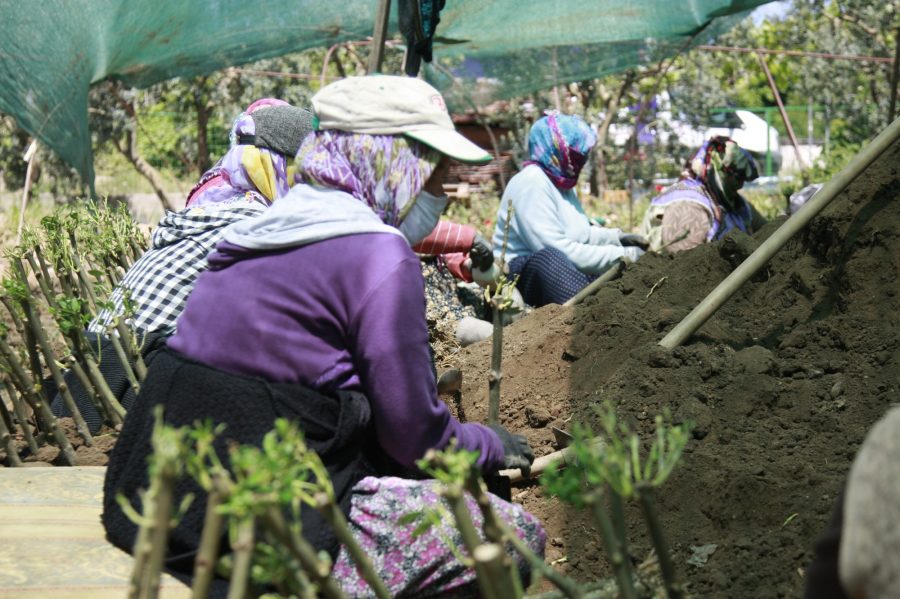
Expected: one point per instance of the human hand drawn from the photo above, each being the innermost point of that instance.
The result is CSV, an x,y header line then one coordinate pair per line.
x,y
517,452
482,253
633,253
634,240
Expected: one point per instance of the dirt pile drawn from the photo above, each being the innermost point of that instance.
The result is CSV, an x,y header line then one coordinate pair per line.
x,y
782,385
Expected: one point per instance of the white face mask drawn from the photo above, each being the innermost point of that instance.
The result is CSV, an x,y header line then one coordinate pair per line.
x,y
422,217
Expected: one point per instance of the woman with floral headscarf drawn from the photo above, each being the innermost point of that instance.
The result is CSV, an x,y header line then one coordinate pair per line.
x,y
704,204
244,182
314,312
552,245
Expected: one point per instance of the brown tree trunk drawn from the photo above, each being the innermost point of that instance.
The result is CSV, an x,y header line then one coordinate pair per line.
x,y
143,167
598,180
129,149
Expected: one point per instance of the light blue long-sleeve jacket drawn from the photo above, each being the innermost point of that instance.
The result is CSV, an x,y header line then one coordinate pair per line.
x,y
544,216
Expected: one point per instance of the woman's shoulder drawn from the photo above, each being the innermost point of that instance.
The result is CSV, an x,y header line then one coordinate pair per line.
x,y
531,180
532,173
378,248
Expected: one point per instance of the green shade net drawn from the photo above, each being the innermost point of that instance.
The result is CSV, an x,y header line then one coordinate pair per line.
x,y
52,51
486,51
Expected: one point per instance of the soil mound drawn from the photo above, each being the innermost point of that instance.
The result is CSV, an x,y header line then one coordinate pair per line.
x,y
782,385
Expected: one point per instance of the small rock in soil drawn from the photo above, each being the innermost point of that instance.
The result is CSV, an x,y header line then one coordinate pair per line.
x,y
837,389
91,456
45,454
660,357
698,413
537,417
755,360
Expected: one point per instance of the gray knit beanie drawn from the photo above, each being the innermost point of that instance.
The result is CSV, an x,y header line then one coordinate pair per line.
x,y
279,128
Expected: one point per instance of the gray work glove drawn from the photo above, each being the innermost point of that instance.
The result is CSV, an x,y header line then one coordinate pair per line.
x,y
633,253
517,452
482,253
634,240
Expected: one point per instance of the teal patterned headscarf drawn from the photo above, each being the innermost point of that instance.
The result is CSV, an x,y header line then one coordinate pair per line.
x,y
560,145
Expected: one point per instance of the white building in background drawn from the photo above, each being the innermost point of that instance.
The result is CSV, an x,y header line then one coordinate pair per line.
x,y
789,164
749,130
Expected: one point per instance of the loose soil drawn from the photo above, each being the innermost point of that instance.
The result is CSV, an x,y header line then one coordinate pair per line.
x,y
782,384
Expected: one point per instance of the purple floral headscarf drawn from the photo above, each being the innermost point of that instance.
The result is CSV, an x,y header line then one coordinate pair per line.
x,y
245,172
560,144
386,172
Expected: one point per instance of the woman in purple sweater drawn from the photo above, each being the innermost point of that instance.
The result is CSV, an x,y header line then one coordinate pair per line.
x,y
315,310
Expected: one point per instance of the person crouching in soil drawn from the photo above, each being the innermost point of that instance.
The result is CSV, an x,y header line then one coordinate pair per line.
x,y
704,204
243,183
314,311
552,246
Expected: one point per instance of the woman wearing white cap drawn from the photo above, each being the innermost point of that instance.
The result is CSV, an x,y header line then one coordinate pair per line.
x,y
330,330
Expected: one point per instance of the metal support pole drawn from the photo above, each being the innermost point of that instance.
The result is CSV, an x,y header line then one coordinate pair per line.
x,y
611,273
26,190
784,115
809,125
768,143
779,238
893,108
376,57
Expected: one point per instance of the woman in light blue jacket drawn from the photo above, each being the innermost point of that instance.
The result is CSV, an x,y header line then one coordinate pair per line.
x,y
552,245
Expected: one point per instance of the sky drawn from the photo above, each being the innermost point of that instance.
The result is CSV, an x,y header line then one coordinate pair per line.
x,y
770,10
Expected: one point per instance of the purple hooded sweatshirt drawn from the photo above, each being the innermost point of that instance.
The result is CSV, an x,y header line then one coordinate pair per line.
x,y
329,306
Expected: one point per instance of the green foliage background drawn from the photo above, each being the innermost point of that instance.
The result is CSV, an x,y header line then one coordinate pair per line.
x,y
851,100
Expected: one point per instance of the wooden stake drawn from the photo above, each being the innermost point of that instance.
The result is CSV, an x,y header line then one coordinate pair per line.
x,y
303,552
333,515
781,110
613,272
243,558
558,459
40,407
667,568
490,558
17,321
21,417
63,388
208,552
617,557
6,439
496,360
29,156
378,36
42,279
123,358
493,527
126,335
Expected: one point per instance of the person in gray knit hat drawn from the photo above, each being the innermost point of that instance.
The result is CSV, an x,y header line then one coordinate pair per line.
x,y
243,183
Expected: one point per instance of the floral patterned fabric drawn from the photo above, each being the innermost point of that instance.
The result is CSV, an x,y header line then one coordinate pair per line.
x,y
717,158
560,145
423,566
245,172
386,172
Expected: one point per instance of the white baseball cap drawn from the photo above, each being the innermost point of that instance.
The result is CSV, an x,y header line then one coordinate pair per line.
x,y
389,105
